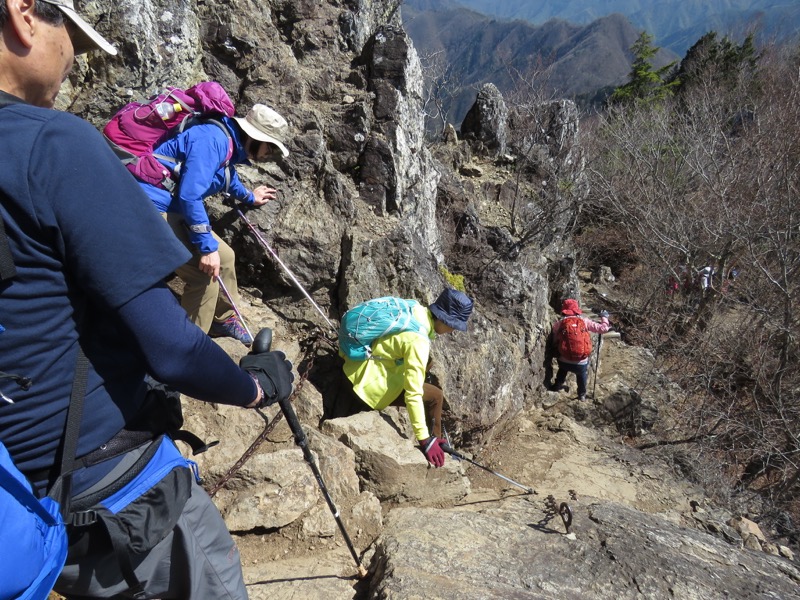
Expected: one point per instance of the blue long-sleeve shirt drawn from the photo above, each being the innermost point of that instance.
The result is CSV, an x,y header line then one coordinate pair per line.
x,y
202,150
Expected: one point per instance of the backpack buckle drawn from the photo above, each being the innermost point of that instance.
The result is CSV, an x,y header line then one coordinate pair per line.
x,y
83,518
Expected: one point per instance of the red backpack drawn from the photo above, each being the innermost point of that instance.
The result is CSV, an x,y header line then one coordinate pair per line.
x,y
139,127
574,341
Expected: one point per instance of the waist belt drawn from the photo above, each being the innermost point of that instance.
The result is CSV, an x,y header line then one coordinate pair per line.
x,y
124,441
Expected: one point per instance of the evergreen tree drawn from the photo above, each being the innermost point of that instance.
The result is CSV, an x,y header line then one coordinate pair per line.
x,y
645,82
717,60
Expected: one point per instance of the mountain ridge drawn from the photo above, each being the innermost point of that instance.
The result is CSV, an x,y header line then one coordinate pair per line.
x,y
566,59
675,24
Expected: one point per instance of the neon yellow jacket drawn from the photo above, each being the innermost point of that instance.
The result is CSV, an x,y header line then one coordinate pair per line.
x,y
398,365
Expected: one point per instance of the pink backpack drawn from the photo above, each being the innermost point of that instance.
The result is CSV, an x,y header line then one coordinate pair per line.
x,y
138,128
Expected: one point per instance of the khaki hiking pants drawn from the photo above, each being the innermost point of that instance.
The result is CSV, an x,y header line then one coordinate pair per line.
x,y
348,403
202,298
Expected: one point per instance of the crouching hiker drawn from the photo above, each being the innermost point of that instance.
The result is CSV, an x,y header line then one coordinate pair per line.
x,y
206,167
572,344
84,313
385,344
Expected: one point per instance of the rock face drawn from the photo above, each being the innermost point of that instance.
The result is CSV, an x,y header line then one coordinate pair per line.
x,y
487,120
517,551
367,209
364,208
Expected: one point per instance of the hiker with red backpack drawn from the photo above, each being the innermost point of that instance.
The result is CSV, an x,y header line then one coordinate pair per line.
x,y
200,161
385,344
572,344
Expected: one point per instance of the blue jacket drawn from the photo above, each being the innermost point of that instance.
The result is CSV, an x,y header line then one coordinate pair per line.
x,y
201,150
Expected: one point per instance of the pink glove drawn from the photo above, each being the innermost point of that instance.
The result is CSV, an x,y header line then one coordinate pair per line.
x,y
432,450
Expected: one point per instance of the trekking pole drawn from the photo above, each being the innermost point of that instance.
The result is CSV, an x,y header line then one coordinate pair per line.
x,y
262,343
233,305
288,271
597,365
446,447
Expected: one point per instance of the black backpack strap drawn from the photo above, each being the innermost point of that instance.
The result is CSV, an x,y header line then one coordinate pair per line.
x,y
61,490
7,268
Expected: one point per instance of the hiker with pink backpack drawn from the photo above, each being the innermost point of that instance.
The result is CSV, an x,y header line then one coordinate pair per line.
x,y
572,344
179,170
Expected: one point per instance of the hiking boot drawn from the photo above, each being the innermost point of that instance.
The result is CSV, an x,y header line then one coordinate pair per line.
x,y
231,327
582,397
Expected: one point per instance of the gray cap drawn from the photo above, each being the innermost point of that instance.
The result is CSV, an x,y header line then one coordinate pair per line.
x,y
85,38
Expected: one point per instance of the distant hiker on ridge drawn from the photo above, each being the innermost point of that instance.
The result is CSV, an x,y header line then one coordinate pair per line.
x,y
572,344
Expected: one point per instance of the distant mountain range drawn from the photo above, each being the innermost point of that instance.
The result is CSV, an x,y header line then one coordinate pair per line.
x,y
584,43
583,60
675,24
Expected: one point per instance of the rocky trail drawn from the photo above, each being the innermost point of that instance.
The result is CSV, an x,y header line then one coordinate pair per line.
x,y
367,207
638,530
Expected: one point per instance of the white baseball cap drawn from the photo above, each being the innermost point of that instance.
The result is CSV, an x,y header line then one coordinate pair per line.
x,y
86,38
265,125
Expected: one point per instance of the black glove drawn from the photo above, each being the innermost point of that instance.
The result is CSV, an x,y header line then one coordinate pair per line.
x,y
274,375
604,313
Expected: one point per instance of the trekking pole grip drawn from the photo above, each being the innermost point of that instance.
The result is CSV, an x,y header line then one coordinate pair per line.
x,y
263,341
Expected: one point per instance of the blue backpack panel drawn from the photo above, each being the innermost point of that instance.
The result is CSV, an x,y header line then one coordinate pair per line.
x,y
33,537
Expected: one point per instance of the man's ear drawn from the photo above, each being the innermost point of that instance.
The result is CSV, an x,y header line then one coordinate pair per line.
x,y
23,21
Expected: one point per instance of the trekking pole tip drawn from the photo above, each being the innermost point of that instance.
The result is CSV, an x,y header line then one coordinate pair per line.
x,y
362,572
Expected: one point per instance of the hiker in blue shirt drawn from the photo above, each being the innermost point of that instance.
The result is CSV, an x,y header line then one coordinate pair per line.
x,y
84,280
202,152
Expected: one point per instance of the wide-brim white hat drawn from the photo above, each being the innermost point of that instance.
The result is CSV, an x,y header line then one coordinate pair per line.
x,y
86,38
265,125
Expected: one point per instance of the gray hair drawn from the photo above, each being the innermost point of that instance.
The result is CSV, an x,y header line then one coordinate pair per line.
x,y
49,13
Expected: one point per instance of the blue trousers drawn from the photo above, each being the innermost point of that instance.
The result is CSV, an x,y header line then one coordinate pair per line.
x,y
580,374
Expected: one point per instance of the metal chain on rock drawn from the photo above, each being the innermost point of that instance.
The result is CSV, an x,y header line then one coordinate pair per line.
x,y
308,360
